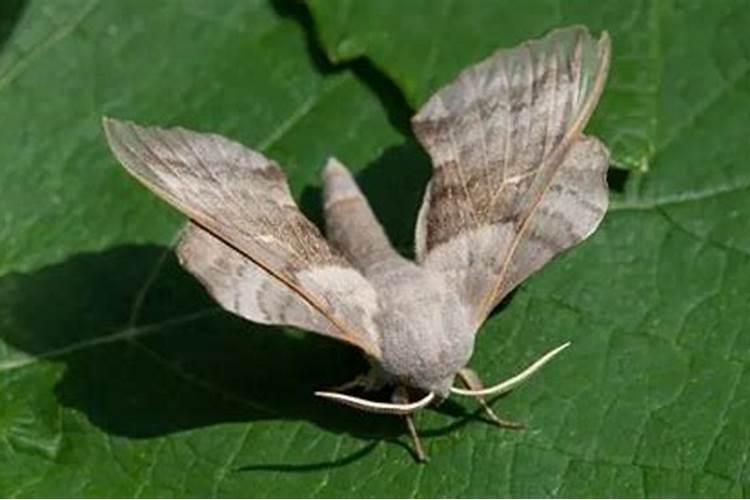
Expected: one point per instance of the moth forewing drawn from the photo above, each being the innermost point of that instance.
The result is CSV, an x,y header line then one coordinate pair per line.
x,y
247,222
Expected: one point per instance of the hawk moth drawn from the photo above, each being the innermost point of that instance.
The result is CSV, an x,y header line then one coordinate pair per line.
x,y
515,183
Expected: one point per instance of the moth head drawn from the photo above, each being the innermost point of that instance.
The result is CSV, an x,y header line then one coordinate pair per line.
x,y
440,387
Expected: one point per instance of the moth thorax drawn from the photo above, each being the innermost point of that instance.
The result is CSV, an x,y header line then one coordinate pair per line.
x,y
426,359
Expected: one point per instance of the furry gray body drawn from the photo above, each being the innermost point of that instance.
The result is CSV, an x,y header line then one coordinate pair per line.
x,y
426,329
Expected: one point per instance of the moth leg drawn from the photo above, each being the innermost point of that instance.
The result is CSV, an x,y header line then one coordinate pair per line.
x,y
471,380
358,381
367,381
401,396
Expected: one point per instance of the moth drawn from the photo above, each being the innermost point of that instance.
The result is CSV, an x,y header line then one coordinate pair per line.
x,y
515,183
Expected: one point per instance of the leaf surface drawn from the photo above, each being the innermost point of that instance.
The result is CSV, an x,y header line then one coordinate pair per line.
x,y
119,377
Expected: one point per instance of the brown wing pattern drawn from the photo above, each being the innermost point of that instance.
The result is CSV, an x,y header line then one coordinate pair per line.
x,y
515,182
243,287
245,223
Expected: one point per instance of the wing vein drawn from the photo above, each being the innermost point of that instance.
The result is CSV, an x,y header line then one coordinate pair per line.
x,y
238,204
476,106
573,132
254,200
460,174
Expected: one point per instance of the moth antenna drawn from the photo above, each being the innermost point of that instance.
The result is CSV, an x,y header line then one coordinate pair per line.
x,y
375,406
507,385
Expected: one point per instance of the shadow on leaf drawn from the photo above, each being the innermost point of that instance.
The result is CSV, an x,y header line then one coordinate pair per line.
x,y
10,13
181,363
329,464
383,88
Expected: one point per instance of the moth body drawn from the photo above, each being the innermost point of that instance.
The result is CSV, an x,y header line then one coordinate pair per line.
x,y
425,333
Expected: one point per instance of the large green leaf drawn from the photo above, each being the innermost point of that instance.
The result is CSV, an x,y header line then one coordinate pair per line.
x,y
119,377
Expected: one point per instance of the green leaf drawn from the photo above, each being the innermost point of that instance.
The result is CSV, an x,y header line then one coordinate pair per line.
x,y
423,44
119,377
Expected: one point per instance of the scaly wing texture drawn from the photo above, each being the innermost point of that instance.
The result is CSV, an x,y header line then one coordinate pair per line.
x,y
257,254
243,287
515,183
